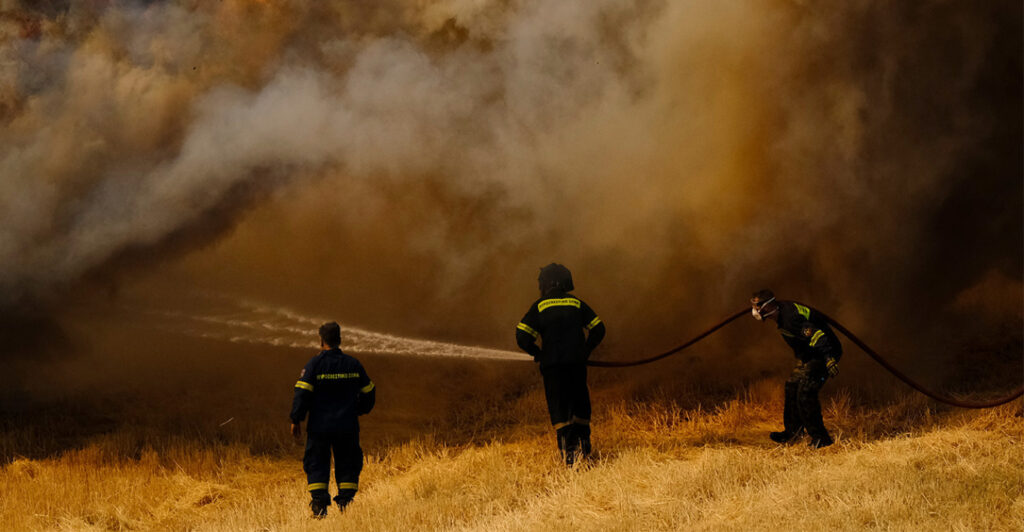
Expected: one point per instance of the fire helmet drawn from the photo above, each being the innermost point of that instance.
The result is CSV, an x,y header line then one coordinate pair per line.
x,y
555,276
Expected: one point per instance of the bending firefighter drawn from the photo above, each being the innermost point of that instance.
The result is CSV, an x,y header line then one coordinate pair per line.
x,y
817,350
334,390
560,321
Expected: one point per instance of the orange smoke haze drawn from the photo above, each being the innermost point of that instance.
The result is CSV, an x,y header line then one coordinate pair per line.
x,y
407,166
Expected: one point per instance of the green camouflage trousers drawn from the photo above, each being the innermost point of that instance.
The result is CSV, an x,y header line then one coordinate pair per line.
x,y
802,410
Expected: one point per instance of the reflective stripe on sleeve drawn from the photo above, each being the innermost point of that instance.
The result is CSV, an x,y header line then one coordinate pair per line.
x,y
804,311
348,486
563,302
527,329
304,385
817,336
367,388
594,323
318,486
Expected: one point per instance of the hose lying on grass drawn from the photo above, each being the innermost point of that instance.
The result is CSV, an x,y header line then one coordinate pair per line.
x,y
852,337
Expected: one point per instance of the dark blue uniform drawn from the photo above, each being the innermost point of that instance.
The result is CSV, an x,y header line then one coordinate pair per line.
x,y
813,343
569,331
807,333
334,390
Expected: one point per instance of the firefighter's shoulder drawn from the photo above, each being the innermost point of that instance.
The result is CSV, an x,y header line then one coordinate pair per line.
x,y
534,308
351,361
800,310
583,304
791,317
315,359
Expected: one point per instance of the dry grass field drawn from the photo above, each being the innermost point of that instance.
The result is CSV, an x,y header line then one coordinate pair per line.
x,y
660,466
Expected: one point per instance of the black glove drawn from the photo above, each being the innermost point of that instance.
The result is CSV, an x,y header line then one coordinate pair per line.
x,y
832,365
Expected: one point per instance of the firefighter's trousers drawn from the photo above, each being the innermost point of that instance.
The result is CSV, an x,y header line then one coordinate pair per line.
x,y
802,410
565,388
348,463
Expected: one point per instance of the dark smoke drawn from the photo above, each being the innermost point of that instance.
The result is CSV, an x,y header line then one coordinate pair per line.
x,y
864,158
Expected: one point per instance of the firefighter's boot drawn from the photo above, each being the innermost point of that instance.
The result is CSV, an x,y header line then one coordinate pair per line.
x,y
343,498
821,441
568,444
783,437
583,434
319,508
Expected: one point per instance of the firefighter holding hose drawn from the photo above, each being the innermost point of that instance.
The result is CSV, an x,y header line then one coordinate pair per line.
x,y
817,350
569,331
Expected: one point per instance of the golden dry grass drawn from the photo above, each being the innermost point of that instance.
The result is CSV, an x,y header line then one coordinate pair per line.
x,y
900,466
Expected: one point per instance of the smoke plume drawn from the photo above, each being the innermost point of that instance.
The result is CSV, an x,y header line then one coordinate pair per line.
x,y
409,165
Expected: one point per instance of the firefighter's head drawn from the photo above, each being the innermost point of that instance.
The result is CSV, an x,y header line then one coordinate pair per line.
x,y
763,305
330,334
554,278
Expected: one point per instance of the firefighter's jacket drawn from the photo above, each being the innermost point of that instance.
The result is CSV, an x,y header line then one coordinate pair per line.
x,y
807,332
334,390
559,320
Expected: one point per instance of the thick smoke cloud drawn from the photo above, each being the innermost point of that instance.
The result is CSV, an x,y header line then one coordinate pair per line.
x,y
418,162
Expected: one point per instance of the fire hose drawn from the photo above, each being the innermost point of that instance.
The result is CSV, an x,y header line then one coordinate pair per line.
x,y
846,332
